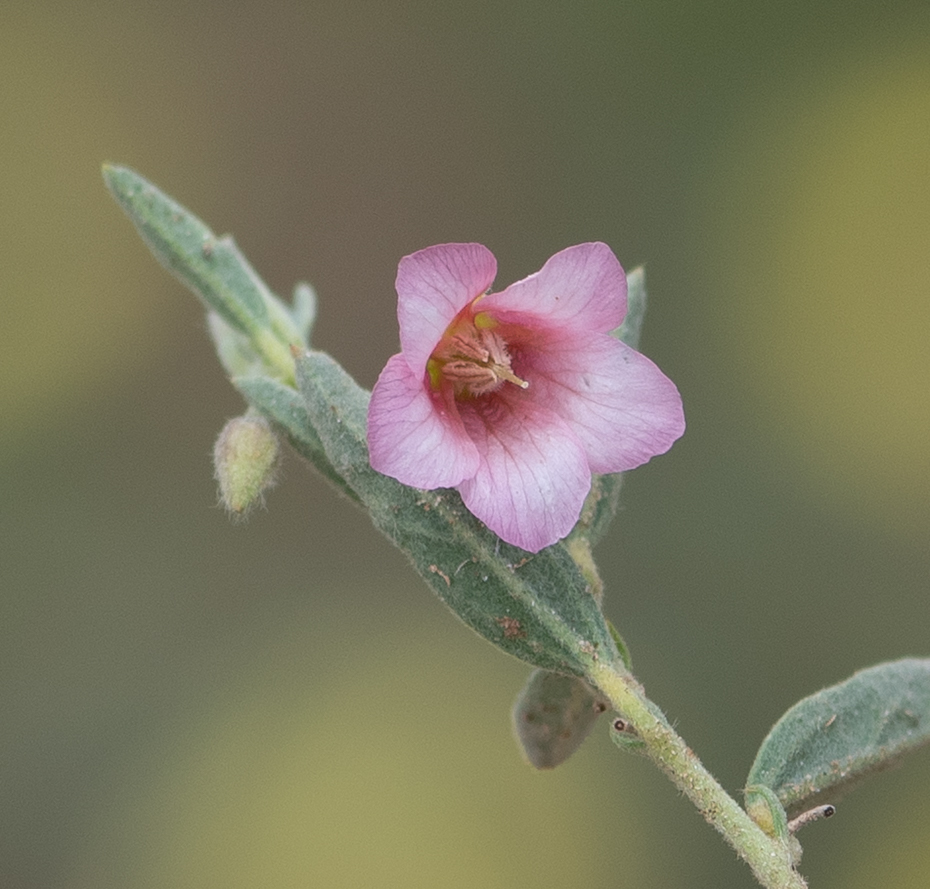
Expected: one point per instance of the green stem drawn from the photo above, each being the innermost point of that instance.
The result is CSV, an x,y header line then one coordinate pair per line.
x,y
769,858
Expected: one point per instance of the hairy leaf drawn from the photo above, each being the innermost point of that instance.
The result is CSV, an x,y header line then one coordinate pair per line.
x,y
284,407
828,742
211,266
535,607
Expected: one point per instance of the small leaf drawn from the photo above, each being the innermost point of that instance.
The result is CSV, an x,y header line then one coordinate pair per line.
x,y
210,266
828,742
286,409
535,607
553,715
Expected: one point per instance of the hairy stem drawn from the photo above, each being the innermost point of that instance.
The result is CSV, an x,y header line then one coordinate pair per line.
x,y
769,858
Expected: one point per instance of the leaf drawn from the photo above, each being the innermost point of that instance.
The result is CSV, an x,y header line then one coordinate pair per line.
x,y
830,741
211,266
553,715
286,409
535,607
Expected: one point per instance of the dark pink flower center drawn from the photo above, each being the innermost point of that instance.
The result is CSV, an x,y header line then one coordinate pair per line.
x,y
472,357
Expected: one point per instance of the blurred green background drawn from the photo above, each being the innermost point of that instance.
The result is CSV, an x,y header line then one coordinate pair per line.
x,y
192,703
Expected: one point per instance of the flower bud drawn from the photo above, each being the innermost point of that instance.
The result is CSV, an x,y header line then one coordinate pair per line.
x,y
245,459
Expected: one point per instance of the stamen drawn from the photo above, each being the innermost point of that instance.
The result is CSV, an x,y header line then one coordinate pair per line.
x,y
468,349
473,358
505,373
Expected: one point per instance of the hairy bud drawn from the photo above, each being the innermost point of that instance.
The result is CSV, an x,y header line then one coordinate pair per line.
x,y
245,459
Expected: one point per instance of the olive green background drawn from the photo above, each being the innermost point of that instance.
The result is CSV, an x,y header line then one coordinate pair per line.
x,y
187,702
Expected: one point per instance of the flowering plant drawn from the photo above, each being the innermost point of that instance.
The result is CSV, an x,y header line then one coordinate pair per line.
x,y
516,397
530,402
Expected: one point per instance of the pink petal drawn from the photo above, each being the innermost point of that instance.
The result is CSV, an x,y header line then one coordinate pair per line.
x,y
582,288
533,476
433,286
620,405
412,436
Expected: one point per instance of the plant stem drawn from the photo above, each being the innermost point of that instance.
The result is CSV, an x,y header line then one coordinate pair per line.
x,y
769,858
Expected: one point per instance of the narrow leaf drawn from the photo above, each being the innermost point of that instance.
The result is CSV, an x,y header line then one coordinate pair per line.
x,y
828,742
211,266
284,407
535,607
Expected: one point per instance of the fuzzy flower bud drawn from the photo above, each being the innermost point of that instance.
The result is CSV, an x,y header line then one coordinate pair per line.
x,y
245,459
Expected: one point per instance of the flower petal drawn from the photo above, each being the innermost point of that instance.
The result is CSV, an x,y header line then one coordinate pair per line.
x,y
581,287
433,286
533,476
412,436
620,405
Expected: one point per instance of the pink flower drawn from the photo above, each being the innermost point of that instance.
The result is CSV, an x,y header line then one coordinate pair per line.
x,y
516,397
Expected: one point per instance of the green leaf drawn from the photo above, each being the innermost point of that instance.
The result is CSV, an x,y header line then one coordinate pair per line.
x,y
830,741
284,407
535,607
553,715
210,266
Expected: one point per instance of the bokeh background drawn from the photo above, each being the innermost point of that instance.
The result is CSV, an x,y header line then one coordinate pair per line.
x,y
187,702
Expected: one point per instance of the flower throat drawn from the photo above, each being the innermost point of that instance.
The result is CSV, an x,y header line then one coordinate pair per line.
x,y
472,357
